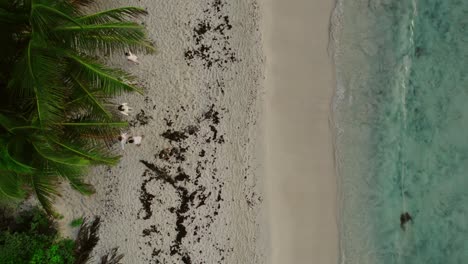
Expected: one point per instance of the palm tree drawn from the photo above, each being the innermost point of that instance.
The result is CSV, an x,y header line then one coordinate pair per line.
x,y
55,119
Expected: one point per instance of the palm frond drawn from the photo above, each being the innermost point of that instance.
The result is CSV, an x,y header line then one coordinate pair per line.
x,y
9,122
45,73
44,17
10,186
104,27
112,257
81,3
92,153
8,163
113,15
106,37
121,43
90,98
112,82
12,18
46,152
44,185
74,175
21,85
94,128
87,239
92,124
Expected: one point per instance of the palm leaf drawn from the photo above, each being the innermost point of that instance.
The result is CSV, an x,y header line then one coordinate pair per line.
x,y
105,27
46,152
74,176
106,37
92,101
21,85
93,124
95,153
45,72
118,14
81,3
12,18
10,185
44,17
44,185
94,128
109,44
111,81
8,163
10,123
86,241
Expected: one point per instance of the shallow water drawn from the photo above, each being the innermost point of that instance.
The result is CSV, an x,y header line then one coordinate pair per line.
x,y
401,117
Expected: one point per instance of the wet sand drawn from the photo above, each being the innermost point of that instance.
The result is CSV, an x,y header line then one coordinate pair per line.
x,y
300,173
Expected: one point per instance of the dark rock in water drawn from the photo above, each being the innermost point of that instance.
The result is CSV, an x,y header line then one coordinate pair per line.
x,y
418,52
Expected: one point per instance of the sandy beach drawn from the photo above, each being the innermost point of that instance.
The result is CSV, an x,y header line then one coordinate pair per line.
x,y
236,164
191,192
300,172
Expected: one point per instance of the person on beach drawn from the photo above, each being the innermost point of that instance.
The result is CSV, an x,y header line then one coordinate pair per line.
x,y
124,109
131,57
123,140
405,218
135,140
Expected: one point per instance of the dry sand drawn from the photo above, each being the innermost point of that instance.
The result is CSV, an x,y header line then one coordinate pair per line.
x,y
194,191
300,169
191,193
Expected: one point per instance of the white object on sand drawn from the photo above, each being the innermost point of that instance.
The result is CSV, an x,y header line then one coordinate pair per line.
x,y
124,109
135,140
131,57
123,139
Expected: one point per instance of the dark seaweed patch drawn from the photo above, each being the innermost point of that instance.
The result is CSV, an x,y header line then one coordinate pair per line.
x,y
168,122
212,115
186,198
141,119
173,135
213,28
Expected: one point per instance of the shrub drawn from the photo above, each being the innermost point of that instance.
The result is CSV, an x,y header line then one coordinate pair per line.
x,y
76,222
32,238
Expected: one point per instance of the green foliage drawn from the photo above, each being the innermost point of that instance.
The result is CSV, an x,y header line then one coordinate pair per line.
x,y
32,238
55,119
77,222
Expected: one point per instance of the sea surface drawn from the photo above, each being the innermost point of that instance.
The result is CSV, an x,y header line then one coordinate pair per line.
x,y
401,122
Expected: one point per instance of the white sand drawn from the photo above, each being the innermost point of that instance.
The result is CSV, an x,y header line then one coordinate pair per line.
x,y
300,170
211,64
219,174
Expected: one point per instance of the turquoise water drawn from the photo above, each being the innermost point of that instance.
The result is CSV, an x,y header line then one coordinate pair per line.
x,y
401,117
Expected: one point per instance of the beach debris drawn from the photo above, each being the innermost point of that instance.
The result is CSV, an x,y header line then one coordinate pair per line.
x,y
124,109
131,57
135,140
123,139
164,154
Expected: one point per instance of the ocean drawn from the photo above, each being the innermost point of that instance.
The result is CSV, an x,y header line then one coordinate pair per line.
x,y
400,115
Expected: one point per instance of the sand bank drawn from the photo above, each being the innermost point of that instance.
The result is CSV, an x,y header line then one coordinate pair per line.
x,y
300,176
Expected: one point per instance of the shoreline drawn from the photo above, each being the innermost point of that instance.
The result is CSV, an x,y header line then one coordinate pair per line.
x,y
300,173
